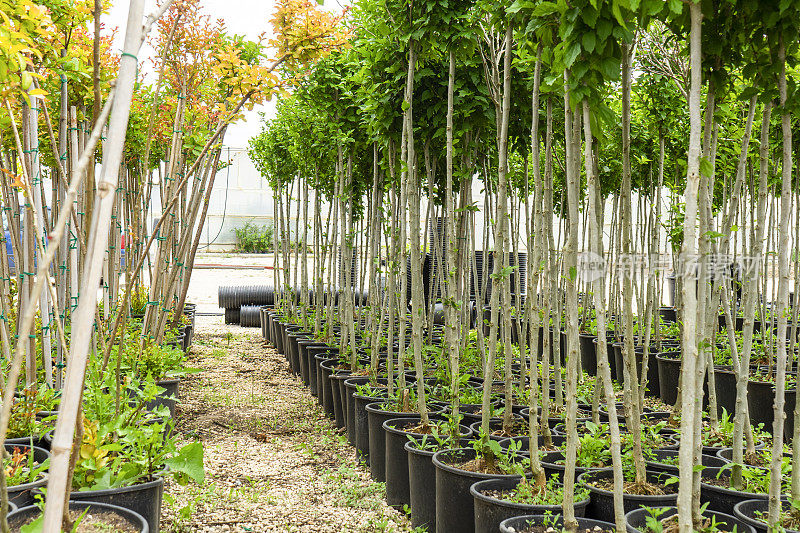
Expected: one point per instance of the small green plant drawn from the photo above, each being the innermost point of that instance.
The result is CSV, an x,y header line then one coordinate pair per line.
x,y
527,492
139,299
254,239
21,468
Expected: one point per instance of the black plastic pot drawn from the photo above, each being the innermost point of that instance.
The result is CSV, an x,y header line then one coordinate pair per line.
x,y
746,512
712,465
520,523
168,398
723,499
376,416
551,468
669,373
287,329
361,424
455,509
313,367
601,506
326,368
421,486
292,351
760,399
23,495
351,385
306,362
142,498
21,517
277,337
588,353
496,424
525,442
490,511
636,521
339,397
396,457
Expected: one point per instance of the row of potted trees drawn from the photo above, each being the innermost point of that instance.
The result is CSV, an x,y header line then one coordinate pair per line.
x,y
436,456
125,447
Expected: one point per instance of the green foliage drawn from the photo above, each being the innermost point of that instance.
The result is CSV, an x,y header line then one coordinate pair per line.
x,y
21,468
254,239
552,493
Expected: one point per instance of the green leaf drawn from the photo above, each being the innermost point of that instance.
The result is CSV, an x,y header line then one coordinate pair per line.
x,y
544,9
571,54
189,461
706,168
588,41
33,527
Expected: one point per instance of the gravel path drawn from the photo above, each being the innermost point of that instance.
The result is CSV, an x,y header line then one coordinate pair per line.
x,y
273,461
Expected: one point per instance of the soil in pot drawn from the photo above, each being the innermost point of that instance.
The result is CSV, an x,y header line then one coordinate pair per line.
x,y
88,517
653,493
720,496
456,471
142,498
553,464
754,512
667,461
636,521
551,523
496,500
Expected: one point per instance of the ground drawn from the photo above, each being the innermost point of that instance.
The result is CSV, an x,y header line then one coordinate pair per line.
x,y
273,461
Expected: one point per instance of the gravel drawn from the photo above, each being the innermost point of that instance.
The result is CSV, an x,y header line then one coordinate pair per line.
x,y
273,461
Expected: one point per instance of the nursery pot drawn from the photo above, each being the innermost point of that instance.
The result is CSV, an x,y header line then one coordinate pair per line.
x,y
307,361
143,498
712,465
551,468
338,395
350,386
455,509
421,486
376,416
588,353
601,506
314,383
636,521
491,511
23,495
760,397
169,397
292,352
396,457
326,368
746,512
723,499
725,384
25,515
520,523
361,424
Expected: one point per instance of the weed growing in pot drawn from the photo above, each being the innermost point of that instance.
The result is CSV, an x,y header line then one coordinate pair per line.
x,y
21,468
528,492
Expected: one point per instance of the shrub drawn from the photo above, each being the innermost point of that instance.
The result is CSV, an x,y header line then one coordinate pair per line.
x,y
254,239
